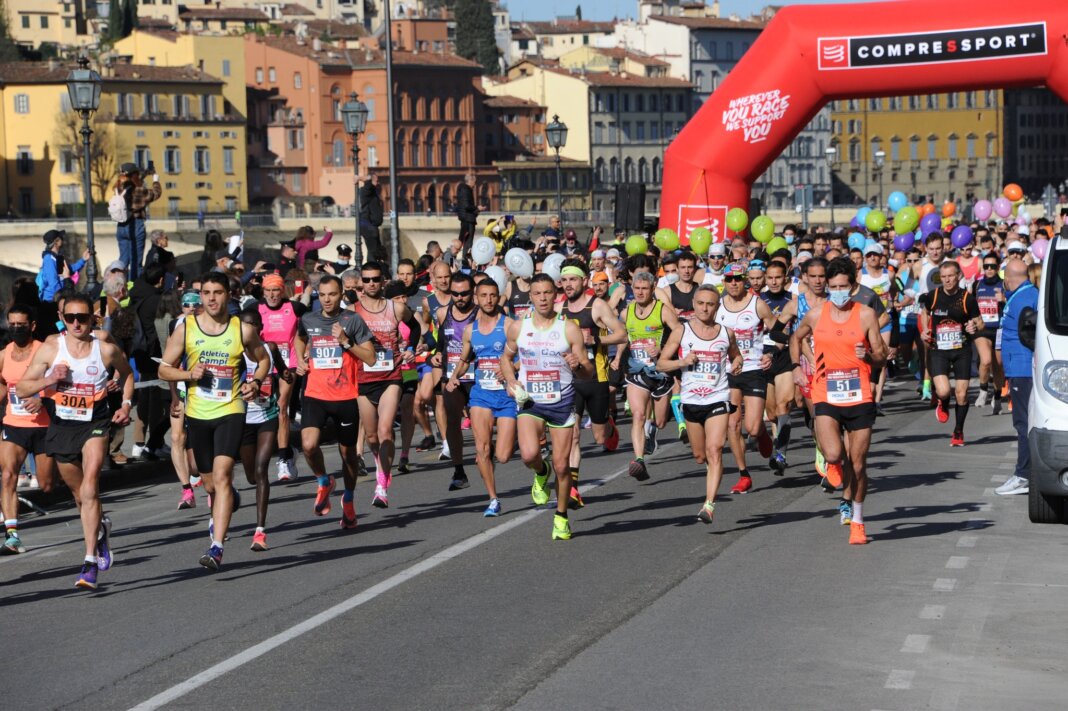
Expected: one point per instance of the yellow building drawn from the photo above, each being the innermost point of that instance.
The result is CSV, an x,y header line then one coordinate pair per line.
x,y
936,146
174,117
558,37
615,59
36,22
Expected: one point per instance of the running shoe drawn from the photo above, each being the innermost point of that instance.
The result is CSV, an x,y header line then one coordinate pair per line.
x,y
24,481
322,498
984,395
957,440
361,466
445,455
561,528
13,545
941,412
212,560
287,470
459,481
777,464
104,555
493,510
259,542
348,514
764,444
826,486
684,436
381,498
611,442
383,479
587,422
189,500
845,513
857,535
197,482
834,475
575,501
745,483
465,424
925,393
87,579
426,444
638,470
821,462
1014,485
651,444
996,406
539,490
404,467
706,512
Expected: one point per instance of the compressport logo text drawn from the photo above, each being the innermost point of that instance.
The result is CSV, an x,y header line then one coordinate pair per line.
x,y
959,45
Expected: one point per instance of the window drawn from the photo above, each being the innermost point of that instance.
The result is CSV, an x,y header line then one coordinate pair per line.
x,y
653,103
151,103
272,75
226,67
295,139
231,203
298,83
875,104
598,132
415,149
952,145
970,146
67,163
443,148
22,103
626,101
259,75
914,103
338,151
457,149
854,151
952,100
639,102
624,132
991,147
969,100
201,160
44,22
932,101
142,156
172,160
25,22
228,160
181,105
298,182
932,147
610,101
400,148
429,148
24,160
990,98
654,130
372,156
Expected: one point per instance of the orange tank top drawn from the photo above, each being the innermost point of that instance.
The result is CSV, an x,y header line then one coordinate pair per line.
x,y
13,372
841,378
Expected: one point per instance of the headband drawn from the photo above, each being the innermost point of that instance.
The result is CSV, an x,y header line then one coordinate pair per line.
x,y
572,270
273,280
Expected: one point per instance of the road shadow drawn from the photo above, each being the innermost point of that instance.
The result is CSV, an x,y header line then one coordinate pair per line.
x,y
921,529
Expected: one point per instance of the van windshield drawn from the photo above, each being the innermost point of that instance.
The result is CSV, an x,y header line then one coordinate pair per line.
x,y
1057,289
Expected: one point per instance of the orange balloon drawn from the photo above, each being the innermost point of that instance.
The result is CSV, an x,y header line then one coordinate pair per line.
x,y
928,209
1013,192
949,209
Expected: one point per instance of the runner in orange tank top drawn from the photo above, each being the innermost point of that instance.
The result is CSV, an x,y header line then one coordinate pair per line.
x,y
845,347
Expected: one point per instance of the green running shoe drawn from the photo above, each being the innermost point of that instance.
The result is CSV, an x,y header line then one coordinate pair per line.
x,y
561,528
539,491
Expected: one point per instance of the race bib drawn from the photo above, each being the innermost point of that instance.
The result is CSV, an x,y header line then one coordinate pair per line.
x,y
543,386
450,368
15,404
843,387
487,376
326,353
685,315
74,402
988,309
708,367
217,384
641,348
266,387
283,350
744,338
949,336
383,362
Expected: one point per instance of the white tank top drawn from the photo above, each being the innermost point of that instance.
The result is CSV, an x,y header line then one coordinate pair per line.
x,y
82,396
543,372
705,382
748,331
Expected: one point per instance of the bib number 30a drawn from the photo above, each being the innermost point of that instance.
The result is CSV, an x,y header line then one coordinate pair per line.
x,y
74,402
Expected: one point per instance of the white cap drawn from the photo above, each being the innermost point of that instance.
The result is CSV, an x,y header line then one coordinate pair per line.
x,y
598,253
719,249
1023,230
1015,246
874,248
803,256
612,252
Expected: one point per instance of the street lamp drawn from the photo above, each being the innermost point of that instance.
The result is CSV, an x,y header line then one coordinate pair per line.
x,y
556,135
354,114
880,161
83,87
831,156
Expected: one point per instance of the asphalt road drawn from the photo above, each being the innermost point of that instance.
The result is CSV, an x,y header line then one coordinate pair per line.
x,y
430,606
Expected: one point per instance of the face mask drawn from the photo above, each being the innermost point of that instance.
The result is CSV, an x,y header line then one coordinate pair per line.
x,y
343,262
671,278
839,297
351,296
21,335
789,239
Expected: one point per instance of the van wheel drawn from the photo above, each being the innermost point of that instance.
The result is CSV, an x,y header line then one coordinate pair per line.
x,y
1042,508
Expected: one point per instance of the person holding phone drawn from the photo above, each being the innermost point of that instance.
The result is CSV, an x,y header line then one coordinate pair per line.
x,y
131,233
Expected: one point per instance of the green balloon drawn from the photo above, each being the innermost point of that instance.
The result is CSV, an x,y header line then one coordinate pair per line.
x,y
907,219
775,244
701,240
763,229
737,219
666,239
636,244
875,221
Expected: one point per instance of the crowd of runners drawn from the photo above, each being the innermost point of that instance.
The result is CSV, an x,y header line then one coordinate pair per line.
x,y
527,346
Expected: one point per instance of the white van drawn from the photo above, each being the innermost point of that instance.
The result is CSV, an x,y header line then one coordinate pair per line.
x,y
1048,411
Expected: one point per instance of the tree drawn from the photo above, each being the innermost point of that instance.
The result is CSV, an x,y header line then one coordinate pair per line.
x,y
105,149
474,33
129,17
9,51
578,12
115,15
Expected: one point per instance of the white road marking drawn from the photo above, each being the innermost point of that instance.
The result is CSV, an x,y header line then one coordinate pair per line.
x,y
899,679
989,492
932,612
966,542
997,479
1031,585
1007,465
957,562
916,643
945,584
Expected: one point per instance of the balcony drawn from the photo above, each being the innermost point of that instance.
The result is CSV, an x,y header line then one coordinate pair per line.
x,y
226,119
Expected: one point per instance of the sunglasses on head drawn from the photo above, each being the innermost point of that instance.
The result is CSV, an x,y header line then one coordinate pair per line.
x,y
372,280
460,294
79,318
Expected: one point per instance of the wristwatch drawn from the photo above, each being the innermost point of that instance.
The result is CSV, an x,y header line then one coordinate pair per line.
x,y
127,403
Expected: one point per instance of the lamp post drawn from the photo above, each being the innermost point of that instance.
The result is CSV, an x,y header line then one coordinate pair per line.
x,y
831,155
556,135
880,161
83,88
354,114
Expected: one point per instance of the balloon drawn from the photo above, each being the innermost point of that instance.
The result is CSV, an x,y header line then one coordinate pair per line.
x,y
930,223
862,214
497,274
1039,248
737,219
962,236
666,239
854,223
947,222
1002,207
551,265
701,240
928,209
1023,218
982,209
483,250
775,244
636,244
519,263
763,229
949,209
904,242
875,221
857,241
1013,192
897,200
906,219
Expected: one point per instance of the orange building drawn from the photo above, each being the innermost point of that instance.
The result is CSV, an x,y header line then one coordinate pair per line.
x,y
513,127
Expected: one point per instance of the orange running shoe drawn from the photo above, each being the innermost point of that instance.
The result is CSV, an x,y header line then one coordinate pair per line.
x,y
322,499
348,514
611,442
857,536
834,474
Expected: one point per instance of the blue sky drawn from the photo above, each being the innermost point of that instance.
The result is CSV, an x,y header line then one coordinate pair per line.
x,y
607,9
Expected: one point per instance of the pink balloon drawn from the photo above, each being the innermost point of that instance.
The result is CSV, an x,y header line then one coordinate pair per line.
x,y
1022,220
982,209
1039,248
1002,207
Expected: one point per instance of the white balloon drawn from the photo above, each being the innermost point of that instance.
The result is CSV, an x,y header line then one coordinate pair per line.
x,y
497,274
551,265
483,250
519,262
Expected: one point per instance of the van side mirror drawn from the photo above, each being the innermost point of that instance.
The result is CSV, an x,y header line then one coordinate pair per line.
x,y
1027,326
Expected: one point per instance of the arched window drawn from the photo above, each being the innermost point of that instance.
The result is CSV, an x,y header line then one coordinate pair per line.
x,y
429,148
600,173
338,151
643,171
613,170
656,171
372,157
420,108
417,199
458,148
445,198
443,148
402,198
449,105
628,170
415,148
401,146
335,102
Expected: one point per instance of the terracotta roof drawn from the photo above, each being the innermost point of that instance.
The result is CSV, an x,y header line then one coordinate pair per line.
x,y
520,32
292,9
431,59
613,79
42,73
169,34
569,27
334,55
709,23
222,13
154,23
639,57
505,102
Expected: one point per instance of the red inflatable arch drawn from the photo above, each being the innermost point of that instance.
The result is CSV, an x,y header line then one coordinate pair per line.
x,y
809,55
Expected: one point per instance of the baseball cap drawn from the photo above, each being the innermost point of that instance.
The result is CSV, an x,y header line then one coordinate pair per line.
x,y
874,248
52,235
612,253
719,249
288,243
1023,230
129,168
597,254
1015,246
734,269
599,276
117,266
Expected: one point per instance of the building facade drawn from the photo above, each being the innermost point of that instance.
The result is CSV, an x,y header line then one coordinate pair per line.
x,y
512,128
557,37
529,185
1036,140
61,23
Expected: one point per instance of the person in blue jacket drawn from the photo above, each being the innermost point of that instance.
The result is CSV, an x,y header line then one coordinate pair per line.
x,y
1018,359
55,273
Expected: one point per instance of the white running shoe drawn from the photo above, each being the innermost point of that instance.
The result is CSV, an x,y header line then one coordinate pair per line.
x,y
1014,485
445,453
287,470
981,400
138,451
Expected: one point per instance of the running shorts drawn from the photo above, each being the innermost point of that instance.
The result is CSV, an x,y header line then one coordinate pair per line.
x,y
615,377
409,387
374,391
991,334
557,415
780,363
220,437
699,414
251,434
592,398
753,383
31,439
657,387
496,401
850,417
64,442
956,363
346,416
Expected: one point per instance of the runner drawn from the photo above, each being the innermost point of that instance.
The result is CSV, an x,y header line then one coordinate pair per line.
x,y
717,260
517,298
551,355
396,292
929,280
72,371
781,390
600,328
989,292
680,295
490,404
949,321
380,382
415,298
845,346
25,423
429,376
214,345
328,345
707,352
746,315
876,278
280,317
451,321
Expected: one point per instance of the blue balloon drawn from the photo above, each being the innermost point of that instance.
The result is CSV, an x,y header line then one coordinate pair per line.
x,y
897,200
862,214
857,241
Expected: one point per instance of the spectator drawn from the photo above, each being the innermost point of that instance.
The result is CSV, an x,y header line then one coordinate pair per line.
x,y
55,273
287,252
371,213
131,234
433,250
158,252
344,259
200,219
501,230
223,262
307,246
452,256
213,242
1021,295
467,210
151,411
124,328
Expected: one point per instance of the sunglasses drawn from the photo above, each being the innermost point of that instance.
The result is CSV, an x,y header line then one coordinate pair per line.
x,y
190,306
372,280
990,266
717,256
460,294
79,318
911,261
733,278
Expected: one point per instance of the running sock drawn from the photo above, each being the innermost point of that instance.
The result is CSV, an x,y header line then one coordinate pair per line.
x,y
574,475
286,453
744,472
187,486
676,409
945,402
347,495
782,440
378,464
259,529
985,387
12,525
562,514
324,480
458,472
217,544
962,415
858,512
91,559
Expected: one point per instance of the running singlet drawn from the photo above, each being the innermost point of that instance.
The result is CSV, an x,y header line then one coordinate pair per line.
x,y
13,372
488,350
748,332
82,396
777,302
986,295
880,285
216,394
705,382
280,328
543,372
263,407
841,377
714,278
383,325
452,331
682,301
591,337
948,316
519,301
331,369
644,334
